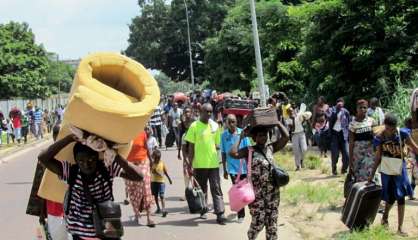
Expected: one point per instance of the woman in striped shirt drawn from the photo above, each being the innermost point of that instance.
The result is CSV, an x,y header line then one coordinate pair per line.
x,y
99,180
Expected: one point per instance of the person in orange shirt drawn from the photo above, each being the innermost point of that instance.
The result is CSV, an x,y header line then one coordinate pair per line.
x,y
139,193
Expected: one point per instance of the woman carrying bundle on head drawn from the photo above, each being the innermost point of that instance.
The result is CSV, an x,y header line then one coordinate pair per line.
x,y
264,209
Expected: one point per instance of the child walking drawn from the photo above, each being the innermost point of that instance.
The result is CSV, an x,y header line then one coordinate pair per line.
x,y
158,170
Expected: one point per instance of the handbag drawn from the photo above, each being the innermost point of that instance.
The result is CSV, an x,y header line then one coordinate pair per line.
x,y
393,166
242,193
280,177
195,197
106,217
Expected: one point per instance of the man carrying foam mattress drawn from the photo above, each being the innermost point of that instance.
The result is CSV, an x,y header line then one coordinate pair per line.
x,y
83,177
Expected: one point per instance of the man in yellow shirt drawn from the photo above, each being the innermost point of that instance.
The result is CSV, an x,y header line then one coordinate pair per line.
x,y
204,137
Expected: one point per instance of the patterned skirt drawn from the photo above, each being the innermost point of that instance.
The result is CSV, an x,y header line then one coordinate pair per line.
x,y
363,157
139,193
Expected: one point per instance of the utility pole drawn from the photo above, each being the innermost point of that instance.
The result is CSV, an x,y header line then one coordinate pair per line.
x,y
258,54
190,46
59,85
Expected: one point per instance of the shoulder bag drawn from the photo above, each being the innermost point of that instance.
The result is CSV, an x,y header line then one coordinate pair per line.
x,y
106,216
242,193
393,166
280,177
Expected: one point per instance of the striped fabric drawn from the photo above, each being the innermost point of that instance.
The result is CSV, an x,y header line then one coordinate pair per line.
x,y
37,116
156,118
79,219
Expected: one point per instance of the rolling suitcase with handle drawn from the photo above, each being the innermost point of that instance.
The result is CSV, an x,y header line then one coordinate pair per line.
x,y
361,206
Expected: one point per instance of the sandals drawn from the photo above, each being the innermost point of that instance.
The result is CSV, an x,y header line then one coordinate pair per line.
x,y
151,224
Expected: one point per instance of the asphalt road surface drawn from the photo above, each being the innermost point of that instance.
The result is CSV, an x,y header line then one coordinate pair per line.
x,y
16,174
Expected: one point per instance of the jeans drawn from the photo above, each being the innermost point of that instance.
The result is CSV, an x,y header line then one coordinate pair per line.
x,y
339,144
38,131
18,133
241,214
176,131
202,176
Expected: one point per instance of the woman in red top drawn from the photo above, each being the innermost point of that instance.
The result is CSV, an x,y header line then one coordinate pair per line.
x,y
139,193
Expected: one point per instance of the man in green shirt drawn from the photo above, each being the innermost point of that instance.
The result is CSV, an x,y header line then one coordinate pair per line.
x,y
204,136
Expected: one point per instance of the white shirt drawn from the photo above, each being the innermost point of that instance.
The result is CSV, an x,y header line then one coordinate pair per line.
x,y
152,143
298,124
337,125
175,116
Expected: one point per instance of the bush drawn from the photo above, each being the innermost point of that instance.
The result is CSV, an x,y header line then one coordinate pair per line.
x,y
312,162
399,102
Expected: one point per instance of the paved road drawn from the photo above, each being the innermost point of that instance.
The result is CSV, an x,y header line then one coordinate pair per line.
x,y
16,173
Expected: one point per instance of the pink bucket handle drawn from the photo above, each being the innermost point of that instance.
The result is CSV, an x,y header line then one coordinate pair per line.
x,y
250,158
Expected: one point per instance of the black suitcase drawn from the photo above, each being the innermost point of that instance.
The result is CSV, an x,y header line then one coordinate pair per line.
x,y
361,206
195,198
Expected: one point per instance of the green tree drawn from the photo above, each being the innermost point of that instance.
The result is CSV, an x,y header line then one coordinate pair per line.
x,y
23,63
158,36
230,54
59,77
358,49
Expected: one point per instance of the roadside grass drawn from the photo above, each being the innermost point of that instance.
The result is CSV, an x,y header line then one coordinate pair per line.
x,y
373,233
312,161
327,195
285,160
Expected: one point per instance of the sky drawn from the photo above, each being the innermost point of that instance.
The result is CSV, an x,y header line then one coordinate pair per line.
x,y
74,28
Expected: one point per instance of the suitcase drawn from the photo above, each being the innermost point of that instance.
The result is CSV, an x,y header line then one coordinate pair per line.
x,y
195,197
262,117
237,111
238,107
361,206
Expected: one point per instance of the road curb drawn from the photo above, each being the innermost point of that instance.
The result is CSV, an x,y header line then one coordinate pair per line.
x,y
15,151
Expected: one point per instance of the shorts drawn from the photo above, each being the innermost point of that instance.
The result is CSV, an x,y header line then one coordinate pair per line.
x,y
158,189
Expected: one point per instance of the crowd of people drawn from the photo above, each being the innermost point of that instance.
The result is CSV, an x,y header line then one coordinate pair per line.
x,y
213,142
19,125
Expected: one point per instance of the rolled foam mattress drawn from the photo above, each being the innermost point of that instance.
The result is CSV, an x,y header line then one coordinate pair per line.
x,y
113,97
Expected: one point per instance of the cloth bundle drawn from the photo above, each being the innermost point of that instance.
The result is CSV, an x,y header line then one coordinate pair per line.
x,y
414,100
112,97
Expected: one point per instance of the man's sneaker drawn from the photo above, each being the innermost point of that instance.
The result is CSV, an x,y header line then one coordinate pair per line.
x,y
221,219
158,211
240,220
203,216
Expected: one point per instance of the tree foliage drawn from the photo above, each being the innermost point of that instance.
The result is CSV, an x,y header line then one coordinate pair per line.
x,y
23,63
336,48
26,69
158,36
59,77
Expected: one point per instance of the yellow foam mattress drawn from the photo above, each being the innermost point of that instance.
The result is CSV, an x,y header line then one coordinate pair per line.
x,y
113,97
